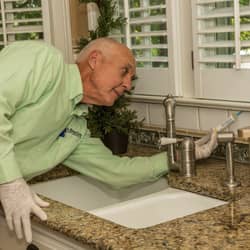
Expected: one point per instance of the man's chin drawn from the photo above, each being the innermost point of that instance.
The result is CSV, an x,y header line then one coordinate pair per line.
x,y
107,100
108,103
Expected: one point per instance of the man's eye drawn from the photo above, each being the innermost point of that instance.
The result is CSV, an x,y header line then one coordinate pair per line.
x,y
125,71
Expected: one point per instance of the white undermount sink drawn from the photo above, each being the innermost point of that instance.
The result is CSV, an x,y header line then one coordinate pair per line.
x,y
156,208
139,206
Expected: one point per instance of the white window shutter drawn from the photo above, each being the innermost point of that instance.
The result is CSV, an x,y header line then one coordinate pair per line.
x,y
22,20
221,31
146,34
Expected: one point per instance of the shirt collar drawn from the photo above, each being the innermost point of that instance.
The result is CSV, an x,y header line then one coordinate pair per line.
x,y
76,91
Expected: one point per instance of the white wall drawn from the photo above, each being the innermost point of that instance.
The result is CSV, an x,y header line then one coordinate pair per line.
x,y
60,28
196,118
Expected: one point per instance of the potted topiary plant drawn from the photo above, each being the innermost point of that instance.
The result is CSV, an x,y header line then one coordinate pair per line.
x,y
112,124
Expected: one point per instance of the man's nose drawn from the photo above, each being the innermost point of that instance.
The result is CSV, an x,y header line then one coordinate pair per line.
x,y
127,83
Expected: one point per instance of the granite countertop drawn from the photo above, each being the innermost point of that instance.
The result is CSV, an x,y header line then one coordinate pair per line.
x,y
223,227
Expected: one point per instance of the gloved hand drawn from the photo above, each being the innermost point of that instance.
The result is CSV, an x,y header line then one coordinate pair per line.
x,y
206,145
18,202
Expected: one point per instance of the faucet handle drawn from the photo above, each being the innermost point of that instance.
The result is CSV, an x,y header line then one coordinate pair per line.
x,y
224,137
166,141
188,168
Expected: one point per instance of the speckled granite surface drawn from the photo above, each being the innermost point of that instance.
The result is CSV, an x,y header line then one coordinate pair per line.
x,y
58,172
224,227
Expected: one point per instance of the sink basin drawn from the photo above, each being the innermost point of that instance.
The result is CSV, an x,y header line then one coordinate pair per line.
x,y
87,194
156,208
138,206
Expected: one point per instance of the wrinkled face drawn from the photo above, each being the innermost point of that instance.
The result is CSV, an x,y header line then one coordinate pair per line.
x,y
112,75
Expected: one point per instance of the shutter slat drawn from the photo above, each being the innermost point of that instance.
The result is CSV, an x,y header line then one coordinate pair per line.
x,y
25,29
153,19
30,20
245,27
148,34
224,59
224,44
200,2
160,46
221,29
116,36
244,11
152,59
7,1
245,43
223,12
155,7
218,59
22,10
245,58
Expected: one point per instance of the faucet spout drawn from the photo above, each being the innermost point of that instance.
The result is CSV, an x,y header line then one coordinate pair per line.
x,y
169,103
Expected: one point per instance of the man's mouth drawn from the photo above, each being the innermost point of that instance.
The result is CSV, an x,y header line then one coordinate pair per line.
x,y
116,92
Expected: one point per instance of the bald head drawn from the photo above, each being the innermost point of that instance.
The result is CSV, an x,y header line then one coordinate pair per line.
x,y
108,47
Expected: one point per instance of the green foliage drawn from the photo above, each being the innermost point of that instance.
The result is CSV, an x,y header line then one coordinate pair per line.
x,y
106,21
102,120
244,2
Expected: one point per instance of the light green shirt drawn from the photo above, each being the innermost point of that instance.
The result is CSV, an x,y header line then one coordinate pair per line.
x,y
39,98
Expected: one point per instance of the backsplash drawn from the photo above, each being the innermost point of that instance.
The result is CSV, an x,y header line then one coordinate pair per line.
x,y
150,137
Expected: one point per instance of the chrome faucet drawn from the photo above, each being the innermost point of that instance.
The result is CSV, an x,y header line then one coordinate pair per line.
x,y
185,162
228,139
169,104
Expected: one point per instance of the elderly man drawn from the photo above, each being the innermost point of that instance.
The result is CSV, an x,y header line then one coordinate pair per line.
x,y
41,96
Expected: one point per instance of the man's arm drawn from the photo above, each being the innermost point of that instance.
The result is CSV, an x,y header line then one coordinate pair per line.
x,y
15,195
93,159
9,169
27,71
19,86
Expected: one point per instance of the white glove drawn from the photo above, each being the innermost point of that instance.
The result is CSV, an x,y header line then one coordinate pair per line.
x,y
18,202
206,145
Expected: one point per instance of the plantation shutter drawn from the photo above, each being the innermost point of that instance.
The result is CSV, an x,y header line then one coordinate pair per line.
x,y
146,34
222,49
23,20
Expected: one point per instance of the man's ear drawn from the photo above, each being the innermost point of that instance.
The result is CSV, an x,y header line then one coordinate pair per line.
x,y
94,58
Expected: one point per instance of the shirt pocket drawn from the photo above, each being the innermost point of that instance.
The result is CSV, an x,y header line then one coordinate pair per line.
x,y
69,139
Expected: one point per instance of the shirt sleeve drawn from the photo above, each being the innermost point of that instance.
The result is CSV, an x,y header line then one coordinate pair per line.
x,y
20,70
93,159
9,99
9,169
